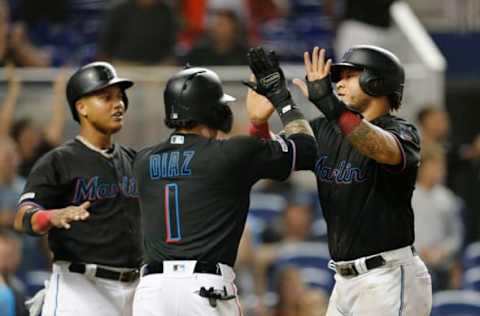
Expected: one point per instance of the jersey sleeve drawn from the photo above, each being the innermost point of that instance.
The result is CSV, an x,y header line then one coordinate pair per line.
x,y
46,183
259,158
408,141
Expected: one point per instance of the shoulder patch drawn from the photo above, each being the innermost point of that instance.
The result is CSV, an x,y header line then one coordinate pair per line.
x,y
282,143
177,139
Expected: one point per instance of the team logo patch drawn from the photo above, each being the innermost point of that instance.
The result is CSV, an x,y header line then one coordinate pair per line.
x,y
282,143
177,139
26,196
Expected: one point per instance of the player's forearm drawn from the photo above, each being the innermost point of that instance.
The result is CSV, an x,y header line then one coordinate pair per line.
x,y
375,143
298,126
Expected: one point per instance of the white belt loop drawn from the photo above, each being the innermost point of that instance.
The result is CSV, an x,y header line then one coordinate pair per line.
x,y
90,270
360,265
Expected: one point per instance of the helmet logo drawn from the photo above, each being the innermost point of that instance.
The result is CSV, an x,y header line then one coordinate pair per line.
x,y
107,73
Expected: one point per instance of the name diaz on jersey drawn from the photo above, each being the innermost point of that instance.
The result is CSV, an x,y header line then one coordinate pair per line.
x,y
171,164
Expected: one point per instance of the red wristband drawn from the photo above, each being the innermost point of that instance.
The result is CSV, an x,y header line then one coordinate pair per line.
x,y
348,121
43,220
261,130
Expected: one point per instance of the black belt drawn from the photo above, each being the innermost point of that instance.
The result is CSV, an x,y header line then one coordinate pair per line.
x,y
349,269
124,276
200,267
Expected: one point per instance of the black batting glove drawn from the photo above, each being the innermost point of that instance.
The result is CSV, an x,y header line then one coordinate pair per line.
x,y
270,80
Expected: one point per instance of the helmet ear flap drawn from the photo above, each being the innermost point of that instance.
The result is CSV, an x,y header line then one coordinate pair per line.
x,y
371,83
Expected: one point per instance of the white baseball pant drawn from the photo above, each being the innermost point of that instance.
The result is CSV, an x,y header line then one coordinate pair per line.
x,y
175,292
402,287
74,294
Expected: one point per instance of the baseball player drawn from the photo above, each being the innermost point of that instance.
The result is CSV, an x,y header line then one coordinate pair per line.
x,y
368,160
194,190
84,196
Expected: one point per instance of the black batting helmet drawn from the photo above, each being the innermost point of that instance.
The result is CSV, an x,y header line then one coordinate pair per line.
x,y
93,77
195,95
382,74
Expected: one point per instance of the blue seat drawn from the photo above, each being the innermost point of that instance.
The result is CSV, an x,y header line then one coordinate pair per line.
x,y
456,303
311,258
471,256
264,209
471,279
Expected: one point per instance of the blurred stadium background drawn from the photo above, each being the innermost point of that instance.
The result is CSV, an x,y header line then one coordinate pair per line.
x,y
282,264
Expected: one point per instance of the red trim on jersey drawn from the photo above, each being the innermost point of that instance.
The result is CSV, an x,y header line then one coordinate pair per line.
x,y
167,216
260,130
348,121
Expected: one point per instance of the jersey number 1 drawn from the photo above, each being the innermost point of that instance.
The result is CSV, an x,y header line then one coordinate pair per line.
x,y
172,214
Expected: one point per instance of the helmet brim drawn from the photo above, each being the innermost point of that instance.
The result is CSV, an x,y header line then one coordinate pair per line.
x,y
227,98
336,69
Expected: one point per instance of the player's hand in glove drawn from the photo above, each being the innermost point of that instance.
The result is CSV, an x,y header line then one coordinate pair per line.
x,y
270,81
61,218
318,87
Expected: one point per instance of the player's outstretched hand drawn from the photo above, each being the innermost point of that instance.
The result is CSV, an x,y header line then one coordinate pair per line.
x,y
259,109
270,81
62,217
316,68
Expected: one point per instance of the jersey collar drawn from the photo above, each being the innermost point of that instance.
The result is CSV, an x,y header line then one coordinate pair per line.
x,y
107,153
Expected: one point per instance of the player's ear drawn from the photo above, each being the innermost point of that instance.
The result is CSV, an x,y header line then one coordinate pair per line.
x,y
81,107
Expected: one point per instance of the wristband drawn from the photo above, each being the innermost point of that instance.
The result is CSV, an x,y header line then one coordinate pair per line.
x,y
260,130
27,221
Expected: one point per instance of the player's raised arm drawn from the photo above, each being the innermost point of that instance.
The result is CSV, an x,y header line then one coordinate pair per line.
x,y
370,140
271,83
33,220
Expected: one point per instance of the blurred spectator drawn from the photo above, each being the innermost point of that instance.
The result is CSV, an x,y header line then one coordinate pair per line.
x,y
363,22
296,221
7,298
294,299
10,258
438,224
434,125
139,32
295,226
192,16
11,185
67,29
14,44
261,12
463,161
32,140
223,44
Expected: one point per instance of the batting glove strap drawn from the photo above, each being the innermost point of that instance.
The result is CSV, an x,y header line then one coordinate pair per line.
x,y
321,94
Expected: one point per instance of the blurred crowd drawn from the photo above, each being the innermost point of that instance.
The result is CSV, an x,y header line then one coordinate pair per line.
x,y
282,265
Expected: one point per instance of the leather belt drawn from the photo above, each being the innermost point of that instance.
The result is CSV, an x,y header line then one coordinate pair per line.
x,y
200,267
123,276
349,269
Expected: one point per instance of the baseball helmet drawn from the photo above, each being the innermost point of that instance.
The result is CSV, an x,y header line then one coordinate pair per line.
x,y
195,95
382,74
93,77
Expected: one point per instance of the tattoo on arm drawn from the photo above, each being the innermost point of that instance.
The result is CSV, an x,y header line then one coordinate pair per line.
x,y
298,126
375,143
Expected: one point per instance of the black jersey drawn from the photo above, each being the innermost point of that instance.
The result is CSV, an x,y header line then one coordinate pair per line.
x,y
194,193
74,173
367,205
